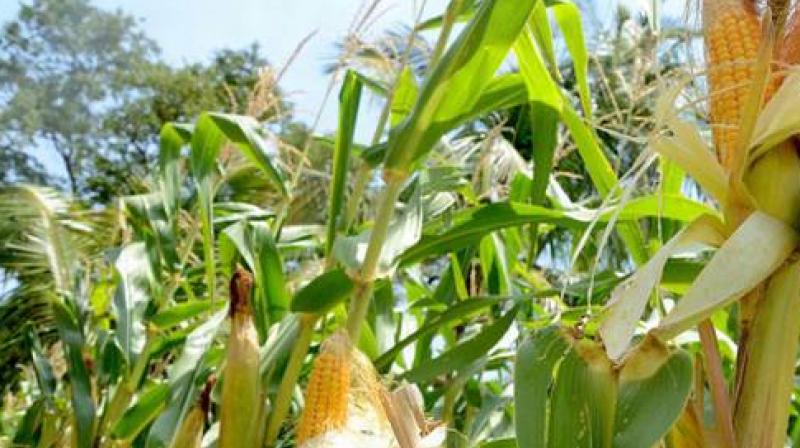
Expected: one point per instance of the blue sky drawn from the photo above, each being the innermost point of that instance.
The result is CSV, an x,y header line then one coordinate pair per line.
x,y
190,30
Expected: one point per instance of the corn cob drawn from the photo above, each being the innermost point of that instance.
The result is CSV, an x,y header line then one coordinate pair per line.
x,y
190,433
241,383
328,390
733,35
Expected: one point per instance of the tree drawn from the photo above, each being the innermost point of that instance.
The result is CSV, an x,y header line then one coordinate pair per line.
x,y
88,84
62,64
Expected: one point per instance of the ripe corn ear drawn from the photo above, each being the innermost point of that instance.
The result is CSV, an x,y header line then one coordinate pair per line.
x,y
732,39
241,381
190,433
328,390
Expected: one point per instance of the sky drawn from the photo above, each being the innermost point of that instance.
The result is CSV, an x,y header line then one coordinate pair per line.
x,y
190,30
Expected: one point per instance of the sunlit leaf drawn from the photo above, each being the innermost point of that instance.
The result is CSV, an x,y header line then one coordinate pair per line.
x,y
454,84
132,297
729,275
568,17
242,130
472,224
349,99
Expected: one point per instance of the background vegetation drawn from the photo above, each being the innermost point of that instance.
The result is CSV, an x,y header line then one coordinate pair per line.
x,y
509,191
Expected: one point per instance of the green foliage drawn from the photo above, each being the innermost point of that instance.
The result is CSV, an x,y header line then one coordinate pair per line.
x,y
493,274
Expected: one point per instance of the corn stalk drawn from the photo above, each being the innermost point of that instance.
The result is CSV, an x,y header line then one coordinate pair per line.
x,y
741,80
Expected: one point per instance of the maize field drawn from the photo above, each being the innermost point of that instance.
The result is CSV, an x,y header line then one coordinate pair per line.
x,y
546,243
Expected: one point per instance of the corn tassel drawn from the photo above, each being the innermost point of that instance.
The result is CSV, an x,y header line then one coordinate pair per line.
x,y
328,390
241,381
733,37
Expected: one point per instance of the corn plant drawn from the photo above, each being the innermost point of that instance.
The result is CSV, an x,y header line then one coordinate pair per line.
x,y
189,318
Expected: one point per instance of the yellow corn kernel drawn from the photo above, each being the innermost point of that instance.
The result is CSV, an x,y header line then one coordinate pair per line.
x,y
732,38
328,390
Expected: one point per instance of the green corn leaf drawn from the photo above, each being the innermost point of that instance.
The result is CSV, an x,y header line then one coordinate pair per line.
x,y
323,293
543,34
458,311
568,17
464,353
207,140
541,87
29,426
404,231
41,367
145,410
501,443
182,312
533,377
349,99
405,95
455,83
473,224
149,217
83,406
545,105
254,242
206,143
243,130
278,345
382,318
132,297
171,140
502,92
467,10
494,265
679,275
672,177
